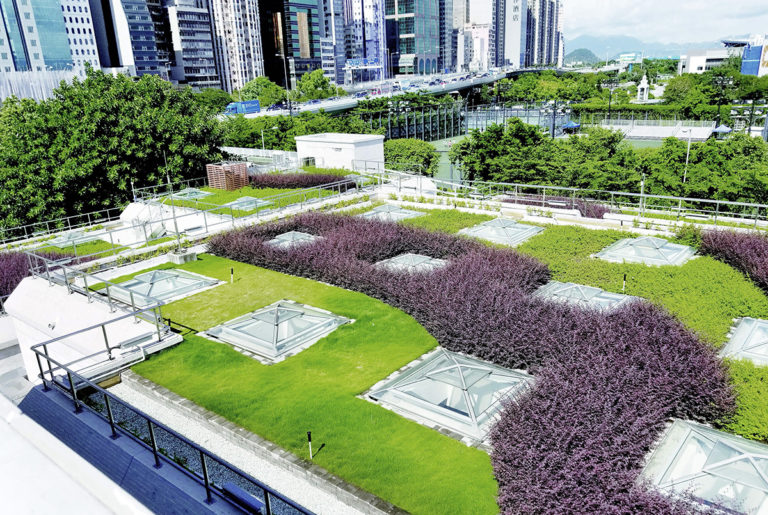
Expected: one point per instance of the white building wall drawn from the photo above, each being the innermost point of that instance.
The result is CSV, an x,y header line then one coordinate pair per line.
x,y
6,58
516,26
79,25
331,150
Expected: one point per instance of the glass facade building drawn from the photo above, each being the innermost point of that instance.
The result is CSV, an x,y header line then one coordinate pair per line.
x,y
33,36
413,35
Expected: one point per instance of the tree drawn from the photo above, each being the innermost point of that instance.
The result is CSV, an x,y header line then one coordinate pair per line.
x,y
80,150
314,85
264,90
411,155
214,99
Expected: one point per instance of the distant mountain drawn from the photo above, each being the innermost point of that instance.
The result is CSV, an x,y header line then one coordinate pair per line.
x,y
612,46
581,55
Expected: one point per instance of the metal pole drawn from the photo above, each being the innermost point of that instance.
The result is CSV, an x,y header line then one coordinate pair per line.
x,y
154,443
208,496
173,212
106,342
73,391
110,417
42,374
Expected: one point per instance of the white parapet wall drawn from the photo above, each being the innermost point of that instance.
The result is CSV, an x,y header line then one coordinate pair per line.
x,y
336,150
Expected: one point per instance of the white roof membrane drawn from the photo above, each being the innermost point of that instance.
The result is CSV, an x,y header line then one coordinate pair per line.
x,y
451,390
647,250
749,340
291,239
717,468
278,330
503,231
390,213
412,263
584,296
160,285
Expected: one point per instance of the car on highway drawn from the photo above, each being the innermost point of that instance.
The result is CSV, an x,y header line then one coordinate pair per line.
x,y
276,107
361,94
314,102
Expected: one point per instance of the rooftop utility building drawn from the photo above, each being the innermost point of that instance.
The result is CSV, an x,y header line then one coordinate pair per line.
x,y
335,150
452,391
647,250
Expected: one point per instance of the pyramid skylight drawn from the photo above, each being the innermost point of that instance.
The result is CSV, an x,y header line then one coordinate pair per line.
x,y
452,391
648,250
247,203
749,340
277,331
160,285
412,263
718,469
503,231
70,238
390,213
191,194
292,239
584,296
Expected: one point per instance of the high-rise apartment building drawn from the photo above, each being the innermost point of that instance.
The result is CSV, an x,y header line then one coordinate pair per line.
x,y
33,36
459,48
413,35
545,40
509,24
237,41
332,28
365,41
82,42
446,62
191,57
291,32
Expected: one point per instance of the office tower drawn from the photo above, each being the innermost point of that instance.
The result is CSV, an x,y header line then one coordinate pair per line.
x,y
446,63
291,39
191,56
413,35
125,37
33,36
365,40
237,41
333,29
79,27
509,33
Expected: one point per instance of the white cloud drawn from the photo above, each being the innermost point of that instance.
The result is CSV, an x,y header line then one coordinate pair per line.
x,y
665,21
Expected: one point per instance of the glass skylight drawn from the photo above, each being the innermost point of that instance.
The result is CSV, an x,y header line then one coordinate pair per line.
x,y
70,238
191,194
160,285
647,250
278,330
412,263
749,340
390,213
584,296
291,239
716,468
503,231
247,203
451,390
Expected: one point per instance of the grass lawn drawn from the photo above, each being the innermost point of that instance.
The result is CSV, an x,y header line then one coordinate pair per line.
x,y
95,248
405,463
446,220
221,197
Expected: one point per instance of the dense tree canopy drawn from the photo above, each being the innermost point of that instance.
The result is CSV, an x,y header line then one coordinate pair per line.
x,y
80,150
313,86
412,155
214,99
735,169
263,90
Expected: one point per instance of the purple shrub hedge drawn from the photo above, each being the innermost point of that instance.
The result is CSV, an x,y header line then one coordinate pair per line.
x,y
605,383
14,267
298,180
747,252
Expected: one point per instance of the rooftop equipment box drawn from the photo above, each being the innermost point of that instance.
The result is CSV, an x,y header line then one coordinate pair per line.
x,y
227,175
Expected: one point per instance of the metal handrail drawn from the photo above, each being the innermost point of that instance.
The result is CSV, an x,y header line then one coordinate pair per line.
x,y
210,487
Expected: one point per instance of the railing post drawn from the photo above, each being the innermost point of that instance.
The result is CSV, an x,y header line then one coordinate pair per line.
x,y
106,342
109,299
267,503
73,391
208,496
48,360
717,212
42,374
133,307
48,273
154,443
157,324
110,417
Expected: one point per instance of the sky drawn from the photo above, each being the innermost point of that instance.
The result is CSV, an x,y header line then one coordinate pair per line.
x,y
665,21
657,21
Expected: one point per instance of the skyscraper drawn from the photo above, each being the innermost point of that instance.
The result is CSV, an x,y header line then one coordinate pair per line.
x,y
237,41
509,32
333,32
79,27
447,61
191,56
544,40
33,36
413,35
291,39
365,42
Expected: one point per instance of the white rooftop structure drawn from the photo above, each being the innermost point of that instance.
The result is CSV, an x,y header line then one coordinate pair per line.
x,y
718,469
452,391
503,231
749,340
648,250
337,150
700,61
247,203
279,330
291,239
161,285
412,263
390,213
583,296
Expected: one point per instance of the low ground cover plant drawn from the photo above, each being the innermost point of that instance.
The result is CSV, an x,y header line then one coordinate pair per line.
x,y
587,208
747,252
14,267
605,384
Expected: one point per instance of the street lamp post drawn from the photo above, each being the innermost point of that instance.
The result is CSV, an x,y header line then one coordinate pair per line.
x,y
287,84
722,82
611,84
262,136
685,170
